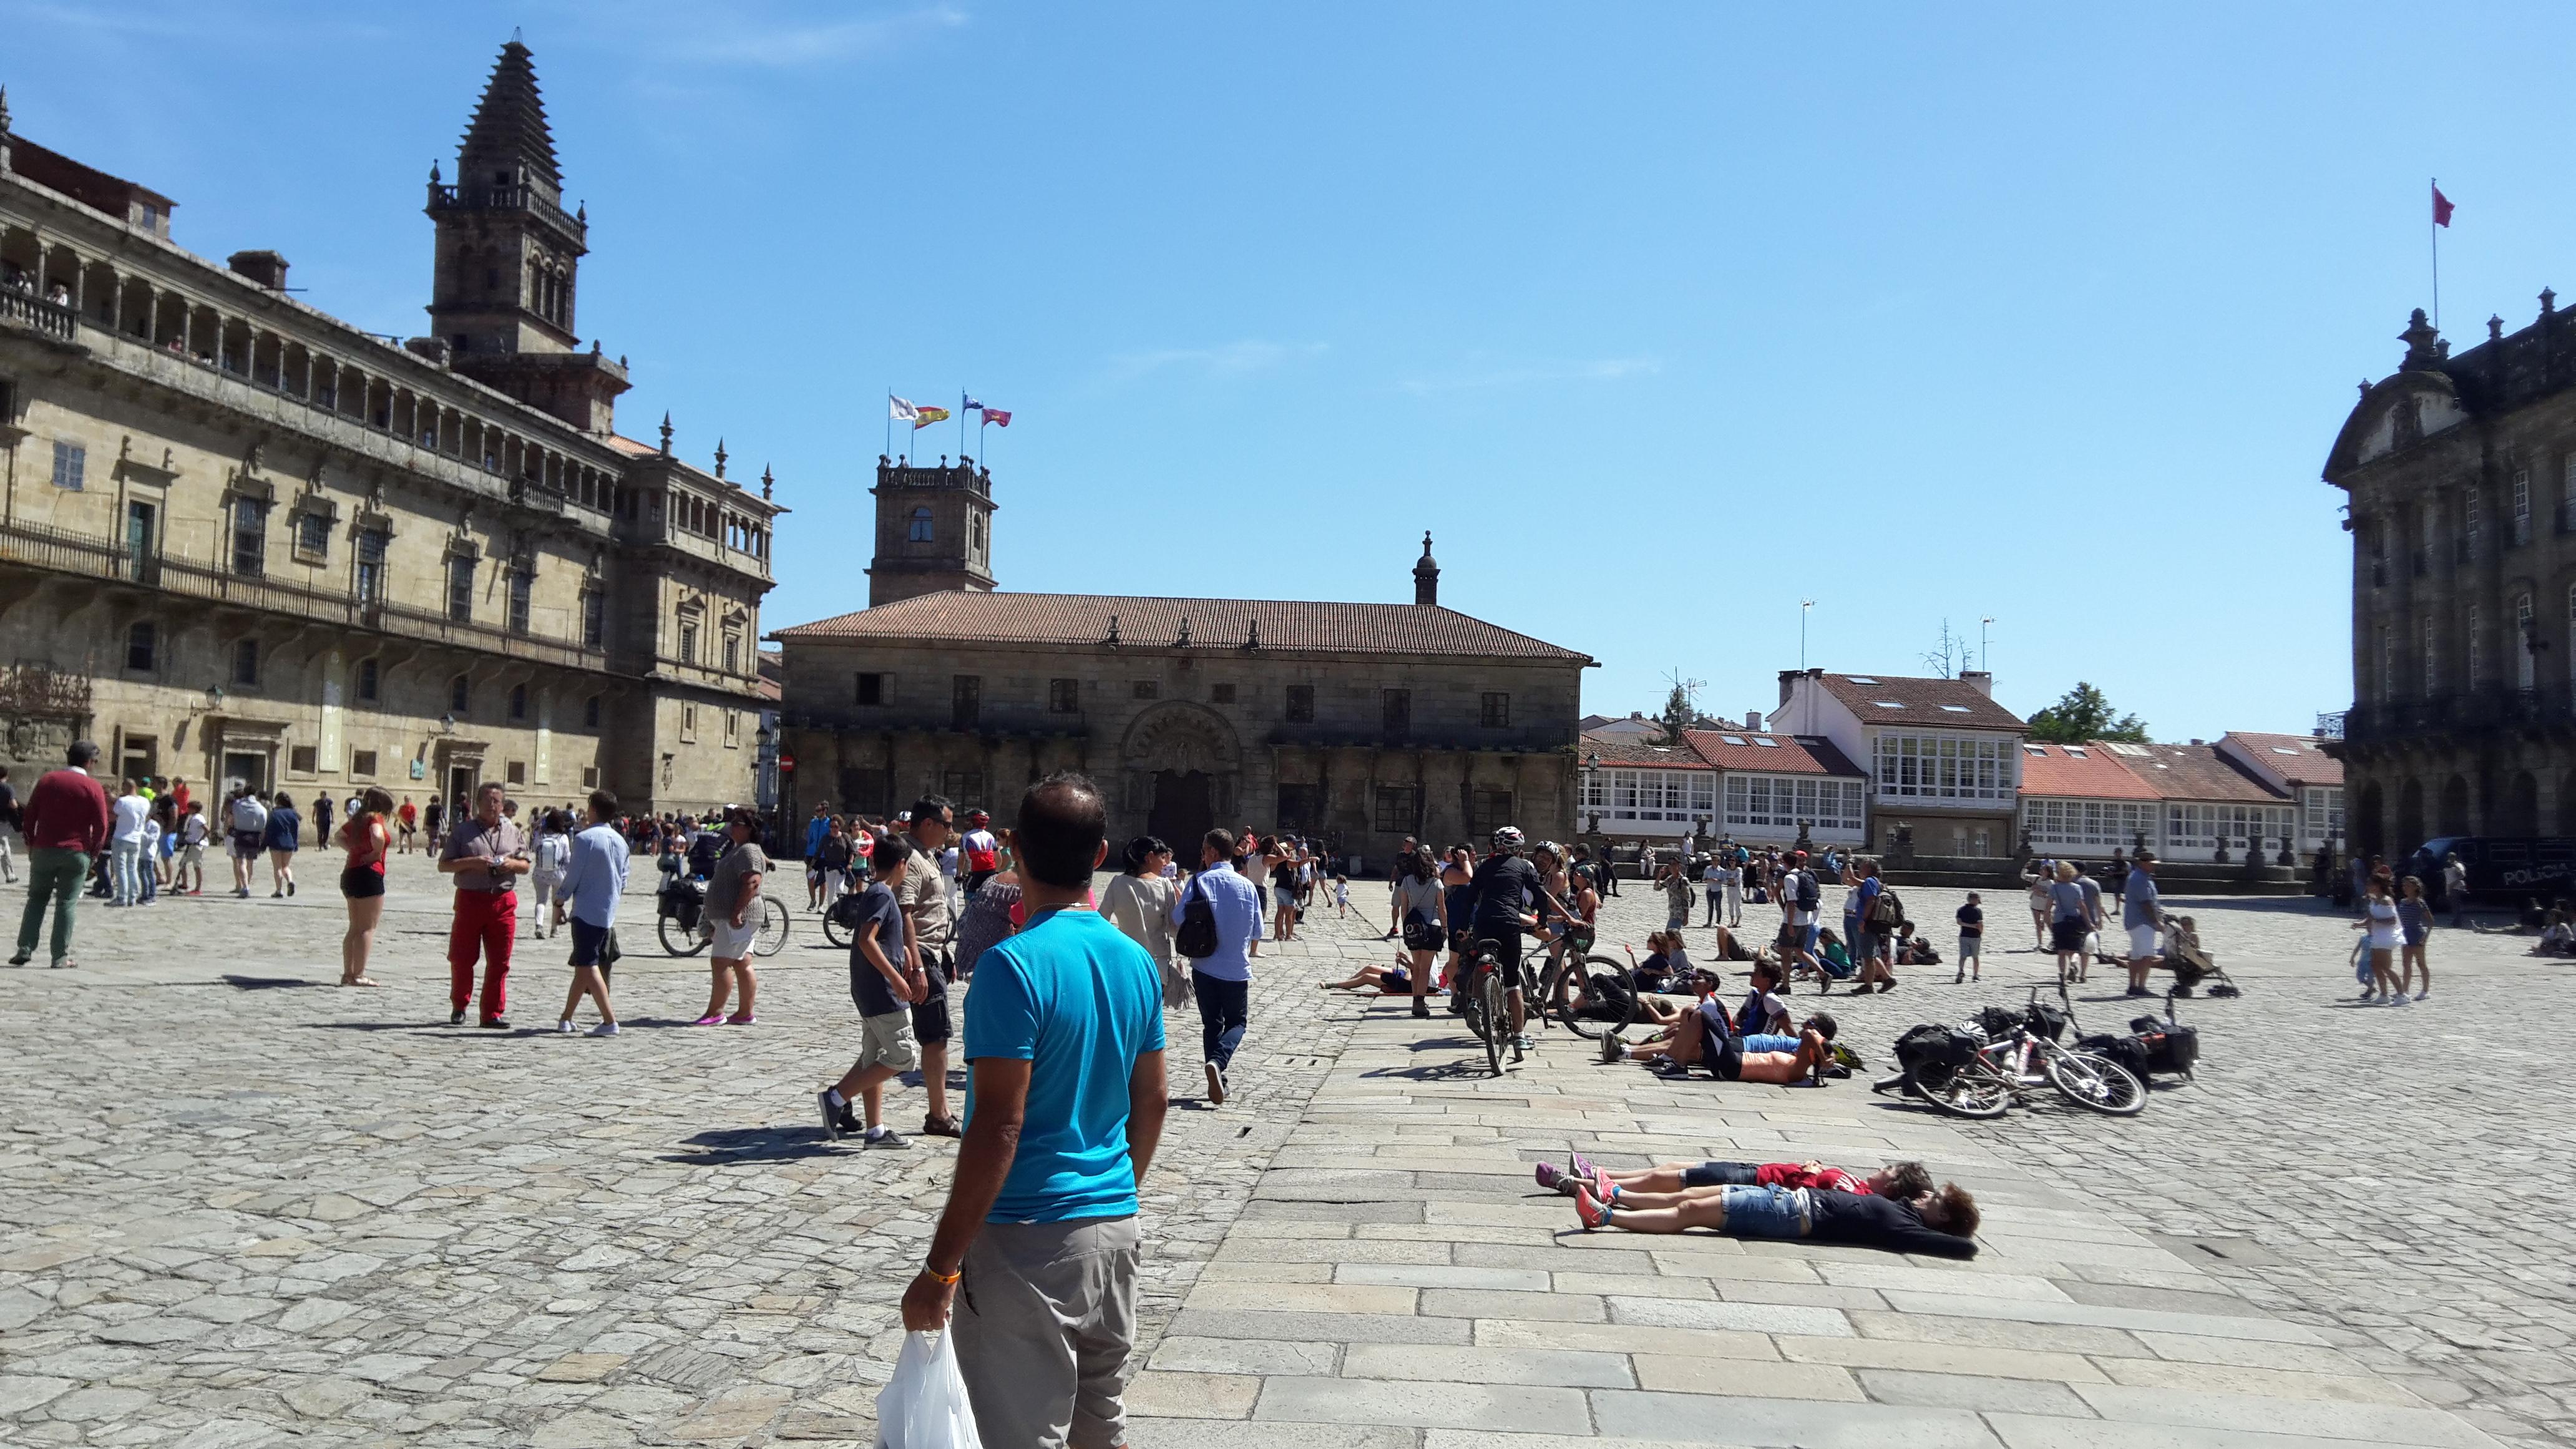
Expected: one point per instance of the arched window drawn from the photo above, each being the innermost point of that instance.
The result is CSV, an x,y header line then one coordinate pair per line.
x,y
921,530
457,695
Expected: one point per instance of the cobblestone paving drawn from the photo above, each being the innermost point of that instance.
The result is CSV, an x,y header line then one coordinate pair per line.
x,y
239,1205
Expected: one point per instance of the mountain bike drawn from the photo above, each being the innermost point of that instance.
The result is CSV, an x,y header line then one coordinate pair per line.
x,y
686,928
2019,1059
1484,999
1603,998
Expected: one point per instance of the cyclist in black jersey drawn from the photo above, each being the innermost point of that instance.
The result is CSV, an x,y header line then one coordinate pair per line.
x,y
1506,897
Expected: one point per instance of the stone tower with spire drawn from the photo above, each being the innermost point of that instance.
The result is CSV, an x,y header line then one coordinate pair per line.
x,y
509,257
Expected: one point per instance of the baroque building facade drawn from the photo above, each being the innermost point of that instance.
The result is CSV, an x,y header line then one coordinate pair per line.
x,y
243,541
1357,723
2461,477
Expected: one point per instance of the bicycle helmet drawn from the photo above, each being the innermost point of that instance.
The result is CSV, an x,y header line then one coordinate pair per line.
x,y
1550,849
978,818
1508,840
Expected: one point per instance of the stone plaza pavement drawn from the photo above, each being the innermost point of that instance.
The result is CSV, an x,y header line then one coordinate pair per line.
x,y
238,1206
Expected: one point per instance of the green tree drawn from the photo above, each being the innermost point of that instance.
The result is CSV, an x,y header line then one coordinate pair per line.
x,y
1678,714
2085,714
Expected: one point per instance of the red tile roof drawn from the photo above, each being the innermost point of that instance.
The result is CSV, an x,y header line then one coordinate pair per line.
x,y
965,616
631,447
2098,774
1944,703
2295,758
2198,772
1784,755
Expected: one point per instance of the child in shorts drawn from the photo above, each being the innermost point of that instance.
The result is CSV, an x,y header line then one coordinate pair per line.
x,y
1972,934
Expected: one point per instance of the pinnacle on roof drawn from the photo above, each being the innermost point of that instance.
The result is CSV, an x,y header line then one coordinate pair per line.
x,y
509,125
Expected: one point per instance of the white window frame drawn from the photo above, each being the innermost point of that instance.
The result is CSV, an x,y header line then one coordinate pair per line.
x,y
1932,766
2092,825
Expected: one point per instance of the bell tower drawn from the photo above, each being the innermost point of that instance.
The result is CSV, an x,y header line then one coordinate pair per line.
x,y
509,256
934,530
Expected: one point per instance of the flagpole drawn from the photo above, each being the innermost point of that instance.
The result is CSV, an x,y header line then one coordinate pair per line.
x,y
2433,235
889,446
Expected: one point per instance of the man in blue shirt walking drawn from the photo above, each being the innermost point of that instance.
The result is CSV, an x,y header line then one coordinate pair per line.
x,y
593,882
1064,1107
1222,982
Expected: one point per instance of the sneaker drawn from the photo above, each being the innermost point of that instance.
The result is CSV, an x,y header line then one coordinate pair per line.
x,y
1959,980
2400,998
882,1137
1589,1213
1524,1043
496,1023
456,1017
742,1018
605,1028
64,963
1581,1166
1613,1049
1215,1084
1421,1010
2365,995
828,1102
564,1027
290,888
1553,1178
2420,995
710,1019
22,958
941,1127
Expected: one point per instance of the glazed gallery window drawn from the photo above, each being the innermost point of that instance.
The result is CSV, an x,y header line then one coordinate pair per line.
x,y
1782,801
2321,812
460,587
1943,767
250,537
1658,794
2100,825
2207,827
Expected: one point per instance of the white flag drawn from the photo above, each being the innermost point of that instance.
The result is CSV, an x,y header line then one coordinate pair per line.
x,y
901,411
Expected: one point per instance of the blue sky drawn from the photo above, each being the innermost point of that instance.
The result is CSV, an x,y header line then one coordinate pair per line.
x,y
1660,318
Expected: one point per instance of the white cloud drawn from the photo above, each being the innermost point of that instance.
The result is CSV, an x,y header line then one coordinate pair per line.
x,y
1233,359
1478,373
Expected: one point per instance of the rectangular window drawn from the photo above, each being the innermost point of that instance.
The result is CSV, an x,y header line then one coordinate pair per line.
x,y
302,759
460,588
142,541
523,589
1487,812
1594,791
71,461
733,654
362,764
2525,666
963,786
688,643
518,773
369,680
1064,696
1942,767
594,618
1497,710
371,565
1301,704
250,537
2432,656
2472,525
1301,807
1220,694
688,724
1148,688
966,701
2476,658
1399,809
733,729
246,662
142,645
2095,825
1395,711
2522,506
2387,663
313,536
590,777
875,689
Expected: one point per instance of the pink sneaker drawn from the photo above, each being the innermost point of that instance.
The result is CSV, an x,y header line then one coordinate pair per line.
x,y
742,1019
710,1019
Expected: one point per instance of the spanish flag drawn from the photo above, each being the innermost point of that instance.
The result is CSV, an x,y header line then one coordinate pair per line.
x,y
924,417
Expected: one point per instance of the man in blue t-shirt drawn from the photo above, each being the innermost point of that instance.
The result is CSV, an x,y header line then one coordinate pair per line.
x,y
1064,1105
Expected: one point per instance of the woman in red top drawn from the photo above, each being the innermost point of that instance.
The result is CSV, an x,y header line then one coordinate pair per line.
x,y
362,881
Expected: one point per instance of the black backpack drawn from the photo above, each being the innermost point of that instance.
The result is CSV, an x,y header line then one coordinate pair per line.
x,y
1810,895
1197,937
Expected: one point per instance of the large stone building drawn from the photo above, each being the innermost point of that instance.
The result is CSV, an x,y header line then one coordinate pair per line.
x,y
2461,476
242,540
1361,723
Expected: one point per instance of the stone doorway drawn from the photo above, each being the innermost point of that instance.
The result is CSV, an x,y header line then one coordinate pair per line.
x,y
1184,811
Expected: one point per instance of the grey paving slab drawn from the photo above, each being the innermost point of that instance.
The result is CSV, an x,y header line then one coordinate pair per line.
x,y
1693,1419
1424,1405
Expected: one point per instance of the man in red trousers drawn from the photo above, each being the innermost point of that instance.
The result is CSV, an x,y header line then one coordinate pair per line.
x,y
487,855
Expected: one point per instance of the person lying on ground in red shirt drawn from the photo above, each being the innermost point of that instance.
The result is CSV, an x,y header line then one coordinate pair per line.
x,y
1673,1183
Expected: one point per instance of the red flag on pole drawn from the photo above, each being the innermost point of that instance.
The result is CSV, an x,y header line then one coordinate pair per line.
x,y
2441,208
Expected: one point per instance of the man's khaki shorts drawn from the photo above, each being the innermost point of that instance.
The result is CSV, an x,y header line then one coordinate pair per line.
x,y
887,1041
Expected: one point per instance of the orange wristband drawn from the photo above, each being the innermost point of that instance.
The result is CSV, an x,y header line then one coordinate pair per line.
x,y
943,1277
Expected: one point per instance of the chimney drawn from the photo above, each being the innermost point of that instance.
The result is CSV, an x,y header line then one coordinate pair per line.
x,y
2196,741
1426,577
1788,679
1753,721
266,268
1984,680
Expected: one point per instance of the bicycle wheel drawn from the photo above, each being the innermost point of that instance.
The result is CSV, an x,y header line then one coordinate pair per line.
x,y
2095,1084
1603,1012
1970,1092
832,931
1498,1019
772,936
678,939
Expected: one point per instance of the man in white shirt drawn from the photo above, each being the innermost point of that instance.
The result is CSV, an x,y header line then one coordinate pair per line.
x,y
1800,894
125,846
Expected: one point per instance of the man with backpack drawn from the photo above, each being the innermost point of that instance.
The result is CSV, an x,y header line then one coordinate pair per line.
x,y
1802,896
1219,919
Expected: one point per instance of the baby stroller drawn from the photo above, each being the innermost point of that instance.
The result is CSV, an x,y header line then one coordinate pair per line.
x,y
2189,963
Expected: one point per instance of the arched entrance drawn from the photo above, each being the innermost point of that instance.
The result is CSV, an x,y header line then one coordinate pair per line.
x,y
1183,771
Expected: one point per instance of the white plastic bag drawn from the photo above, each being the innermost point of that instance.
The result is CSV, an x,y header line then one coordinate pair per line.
x,y
924,1405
